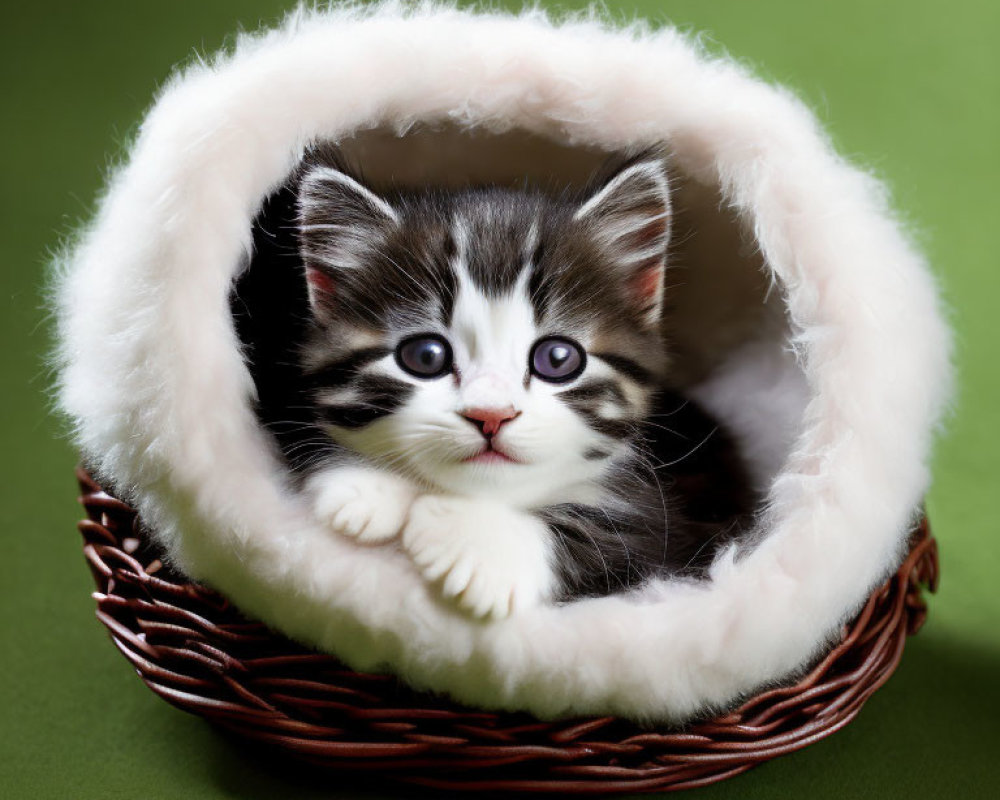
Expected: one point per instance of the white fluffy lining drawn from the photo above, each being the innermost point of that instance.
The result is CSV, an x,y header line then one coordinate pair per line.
x,y
154,378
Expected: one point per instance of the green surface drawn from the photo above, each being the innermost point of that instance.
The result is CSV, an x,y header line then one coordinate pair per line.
x,y
909,89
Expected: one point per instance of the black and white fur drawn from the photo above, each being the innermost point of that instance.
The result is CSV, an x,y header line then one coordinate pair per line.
x,y
584,510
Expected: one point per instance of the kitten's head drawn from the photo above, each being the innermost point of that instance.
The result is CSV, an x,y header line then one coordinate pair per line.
x,y
485,341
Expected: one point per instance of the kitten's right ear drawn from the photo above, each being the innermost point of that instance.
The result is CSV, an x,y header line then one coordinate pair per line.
x,y
630,217
338,221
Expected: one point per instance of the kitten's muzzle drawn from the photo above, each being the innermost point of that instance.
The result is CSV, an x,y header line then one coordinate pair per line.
x,y
489,420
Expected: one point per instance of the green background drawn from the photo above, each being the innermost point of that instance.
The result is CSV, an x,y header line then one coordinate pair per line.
x,y
908,89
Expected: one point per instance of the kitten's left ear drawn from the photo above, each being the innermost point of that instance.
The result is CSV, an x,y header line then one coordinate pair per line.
x,y
630,218
339,220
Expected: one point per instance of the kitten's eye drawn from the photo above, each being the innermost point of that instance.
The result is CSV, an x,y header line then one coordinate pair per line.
x,y
557,360
426,356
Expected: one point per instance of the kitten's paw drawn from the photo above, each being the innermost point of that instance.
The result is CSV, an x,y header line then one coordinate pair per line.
x,y
363,503
489,559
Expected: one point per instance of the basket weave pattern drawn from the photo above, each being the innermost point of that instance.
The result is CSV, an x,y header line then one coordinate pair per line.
x,y
194,649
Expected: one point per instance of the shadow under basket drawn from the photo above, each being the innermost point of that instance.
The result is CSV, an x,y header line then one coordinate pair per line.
x,y
195,650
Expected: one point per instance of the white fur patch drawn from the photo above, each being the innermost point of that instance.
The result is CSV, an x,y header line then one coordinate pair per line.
x,y
365,504
491,559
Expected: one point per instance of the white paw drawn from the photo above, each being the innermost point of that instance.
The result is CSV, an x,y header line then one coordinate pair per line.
x,y
490,559
360,502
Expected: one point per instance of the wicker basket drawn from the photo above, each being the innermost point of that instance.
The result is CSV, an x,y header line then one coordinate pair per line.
x,y
191,647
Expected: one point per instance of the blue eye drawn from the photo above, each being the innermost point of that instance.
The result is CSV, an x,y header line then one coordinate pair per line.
x,y
557,359
426,355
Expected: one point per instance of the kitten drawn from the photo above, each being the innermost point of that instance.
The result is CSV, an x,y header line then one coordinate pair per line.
x,y
484,366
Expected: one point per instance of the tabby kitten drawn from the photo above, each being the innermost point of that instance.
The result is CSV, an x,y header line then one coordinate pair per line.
x,y
484,365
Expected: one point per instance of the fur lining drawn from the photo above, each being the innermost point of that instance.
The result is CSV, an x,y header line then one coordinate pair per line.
x,y
153,377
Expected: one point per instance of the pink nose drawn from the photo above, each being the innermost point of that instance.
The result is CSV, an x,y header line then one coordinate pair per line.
x,y
489,420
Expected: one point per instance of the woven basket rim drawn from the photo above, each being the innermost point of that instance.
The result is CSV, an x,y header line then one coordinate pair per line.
x,y
194,649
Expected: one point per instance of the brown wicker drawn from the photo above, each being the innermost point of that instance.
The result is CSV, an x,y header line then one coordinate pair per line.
x,y
199,653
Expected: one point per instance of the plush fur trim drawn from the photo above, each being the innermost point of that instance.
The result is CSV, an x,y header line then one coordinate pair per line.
x,y
153,376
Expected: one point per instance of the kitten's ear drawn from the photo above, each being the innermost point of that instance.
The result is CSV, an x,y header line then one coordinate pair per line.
x,y
630,218
339,219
